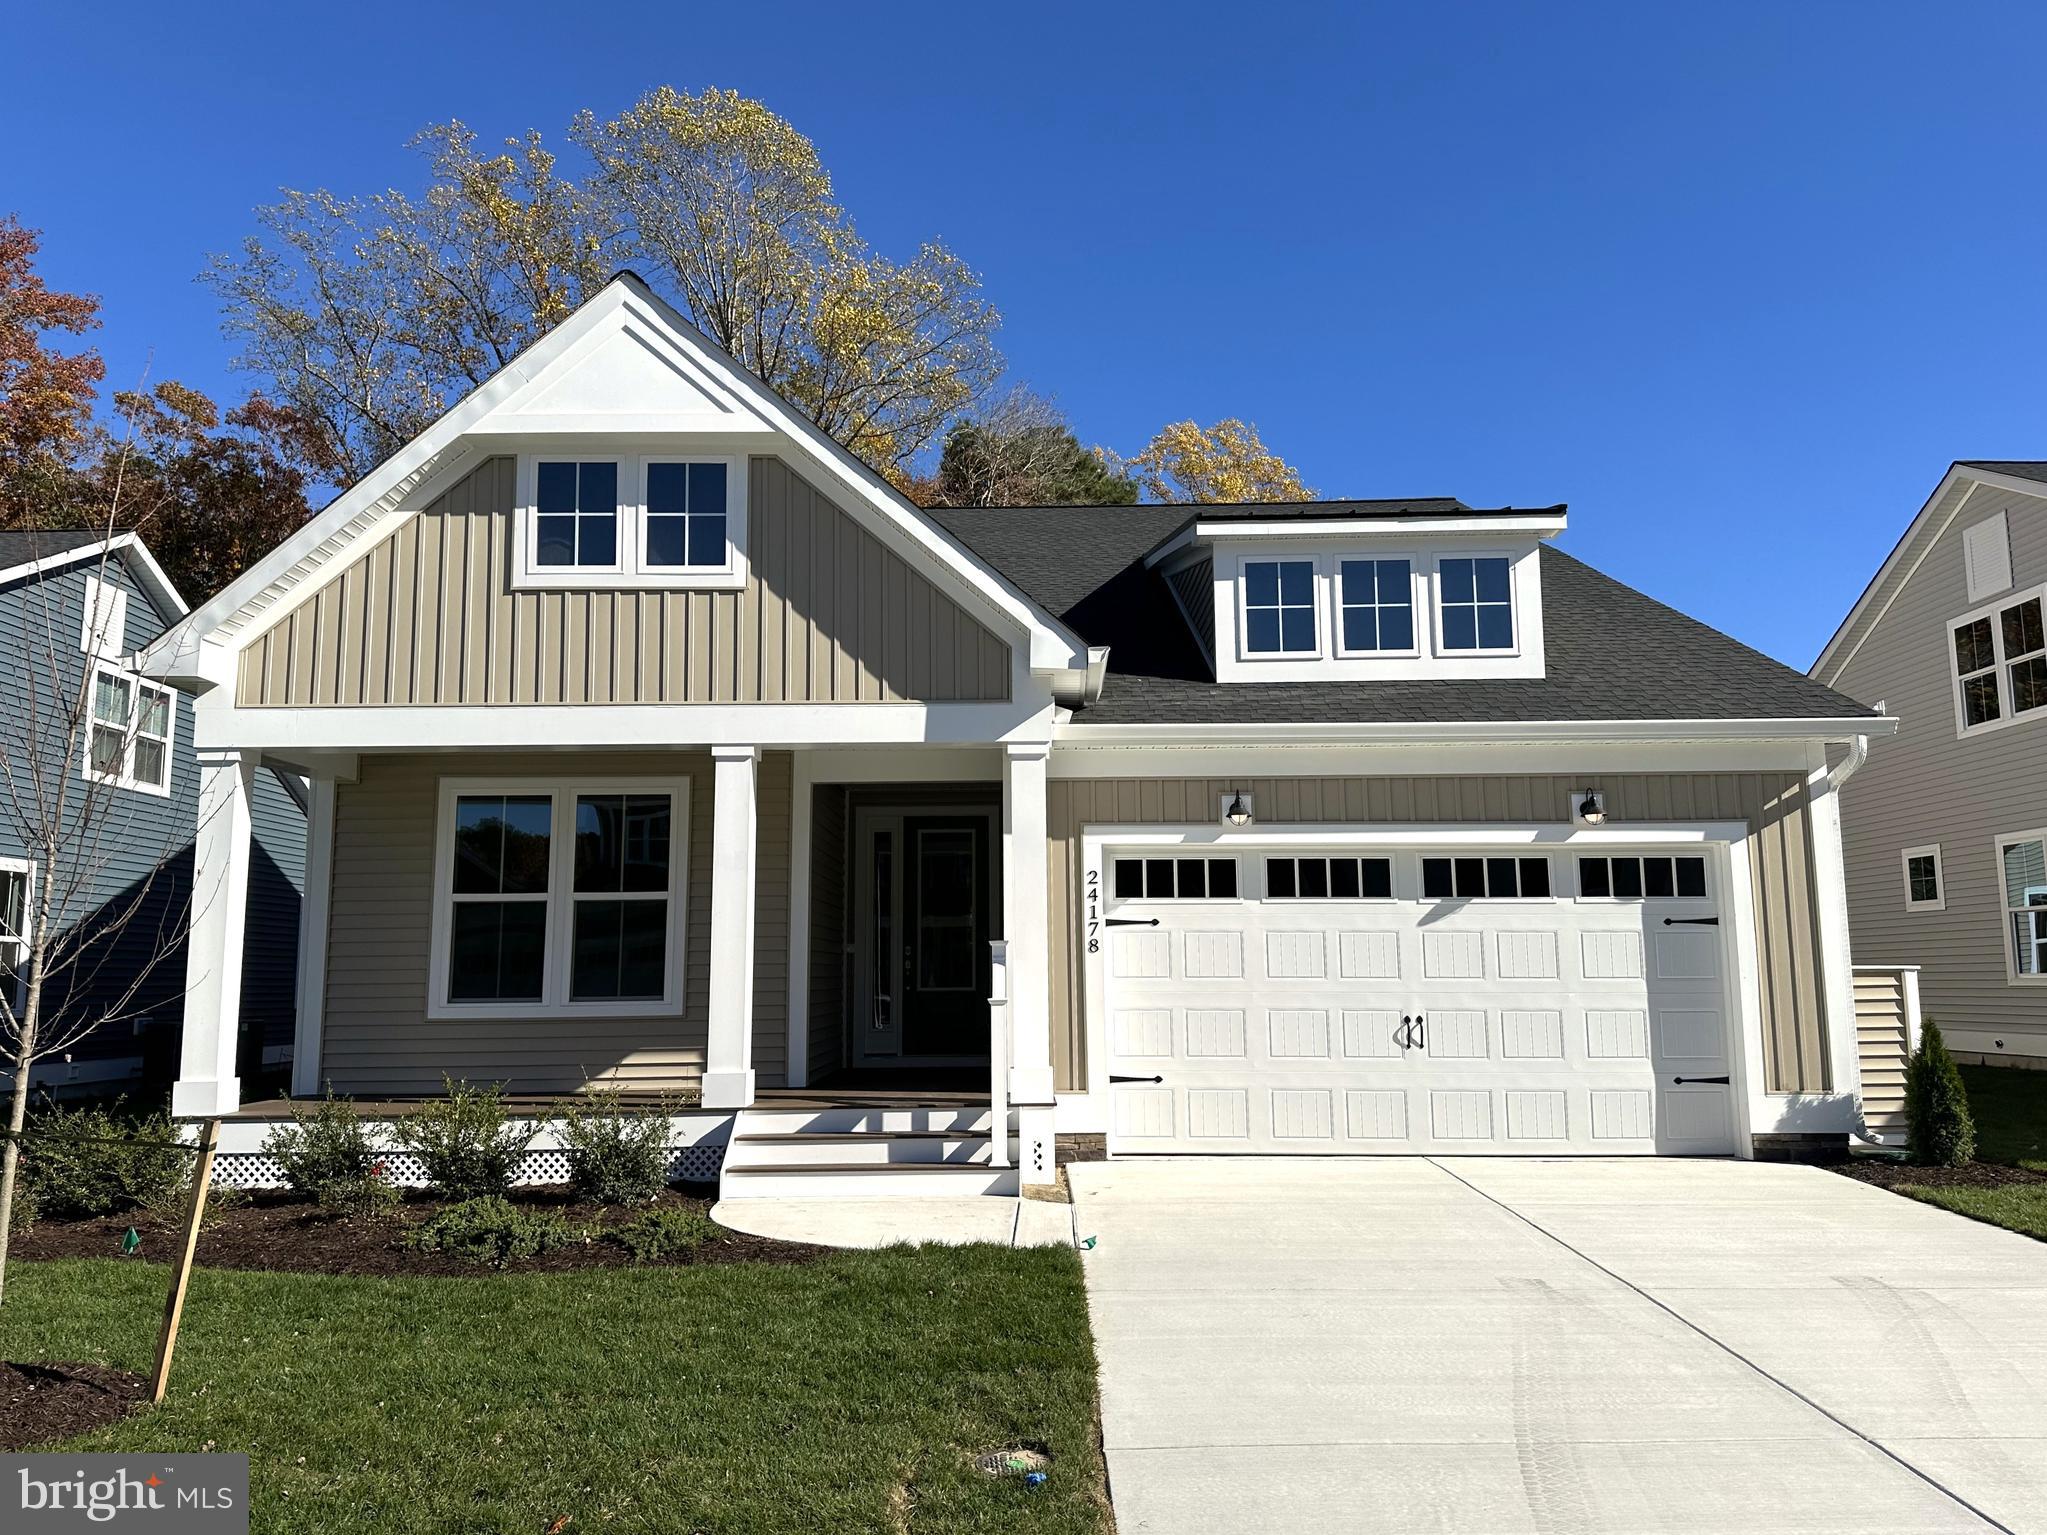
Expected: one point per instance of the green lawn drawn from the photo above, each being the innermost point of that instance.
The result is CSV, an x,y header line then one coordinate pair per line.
x,y
847,1395
2022,1209
2010,1109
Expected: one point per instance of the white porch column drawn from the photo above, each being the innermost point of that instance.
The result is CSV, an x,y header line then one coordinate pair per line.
x,y
206,1082
1027,921
1837,965
728,1063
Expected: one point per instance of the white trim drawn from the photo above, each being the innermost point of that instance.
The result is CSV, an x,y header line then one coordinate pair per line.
x,y
207,1084
1841,1040
1544,524
1316,605
132,733
313,917
1417,604
796,1070
728,1081
25,939
1618,732
2000,670
628,570
2005,910
1443,647
1926,850
146,571
559,901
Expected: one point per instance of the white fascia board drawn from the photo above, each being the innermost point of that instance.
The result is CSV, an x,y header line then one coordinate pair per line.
x,y
1590,761
142,565
598,727
1417,834
1377,529
1396,732
1906,556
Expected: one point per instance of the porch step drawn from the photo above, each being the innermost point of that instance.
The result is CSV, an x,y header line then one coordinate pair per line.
x,y
859,1148
947,1119
863,1152
867,1180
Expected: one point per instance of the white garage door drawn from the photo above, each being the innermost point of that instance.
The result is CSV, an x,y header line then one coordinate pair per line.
x,y
1404,1000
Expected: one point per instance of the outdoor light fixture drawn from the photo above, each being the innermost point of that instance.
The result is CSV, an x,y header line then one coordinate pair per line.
x,y
1592,807
1239,813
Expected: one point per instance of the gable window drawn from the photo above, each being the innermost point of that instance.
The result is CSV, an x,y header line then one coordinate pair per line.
x,y
1376,598
631,521
1176,879
1477,603
2022,868
1925,885
1329,879
559,897
1490,879
1648,878
128,735
1279,607
2000,660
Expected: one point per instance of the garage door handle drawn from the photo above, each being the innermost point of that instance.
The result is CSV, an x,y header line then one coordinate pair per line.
x,y
1114,1078
1133,921
1403,1036
1421,1033
1680,1081
1691,921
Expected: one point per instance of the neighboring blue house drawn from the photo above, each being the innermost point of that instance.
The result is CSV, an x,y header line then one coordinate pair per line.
x,y
70,601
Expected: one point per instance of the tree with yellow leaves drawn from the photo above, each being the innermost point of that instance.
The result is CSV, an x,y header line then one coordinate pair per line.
x,y
1221,463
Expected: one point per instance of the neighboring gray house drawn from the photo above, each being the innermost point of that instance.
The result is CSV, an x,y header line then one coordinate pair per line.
x,y
1945,829
70,601
657,742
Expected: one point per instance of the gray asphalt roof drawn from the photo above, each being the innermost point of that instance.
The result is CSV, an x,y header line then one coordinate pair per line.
x,y
2021,468
1611,653
18,547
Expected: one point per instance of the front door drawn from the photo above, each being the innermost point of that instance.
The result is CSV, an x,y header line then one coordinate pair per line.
x,y
925,895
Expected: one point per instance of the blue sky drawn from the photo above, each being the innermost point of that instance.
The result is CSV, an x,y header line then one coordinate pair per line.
x,y
1736,281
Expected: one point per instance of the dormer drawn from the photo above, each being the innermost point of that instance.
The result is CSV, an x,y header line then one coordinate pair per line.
x,y
1362,591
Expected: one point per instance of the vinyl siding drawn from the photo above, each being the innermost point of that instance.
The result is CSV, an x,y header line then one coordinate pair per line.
x,y
1773,805
828,923
376,1037
1926,785
1880,1042
828,615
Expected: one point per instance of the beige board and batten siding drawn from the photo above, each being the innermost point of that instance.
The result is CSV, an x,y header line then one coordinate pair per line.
x,y
1773,804
1927,785
829,614
376,1036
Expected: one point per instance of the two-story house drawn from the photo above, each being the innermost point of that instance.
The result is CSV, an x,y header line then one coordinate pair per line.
x,y
104,756
1945,830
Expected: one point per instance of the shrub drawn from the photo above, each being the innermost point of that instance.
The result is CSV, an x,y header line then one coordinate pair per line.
x,y
617,1155
664,1233
463,1142
490,1230
1937,1104
331,1156
96,1160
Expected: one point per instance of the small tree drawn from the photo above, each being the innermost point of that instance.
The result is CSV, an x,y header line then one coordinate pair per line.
x,y
1943,1133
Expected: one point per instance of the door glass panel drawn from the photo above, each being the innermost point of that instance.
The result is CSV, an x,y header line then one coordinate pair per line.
x,y
882,954
946,897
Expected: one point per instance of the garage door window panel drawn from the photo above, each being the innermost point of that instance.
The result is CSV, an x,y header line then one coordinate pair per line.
x,y
1486,878
1174,879
1329,879
1645,877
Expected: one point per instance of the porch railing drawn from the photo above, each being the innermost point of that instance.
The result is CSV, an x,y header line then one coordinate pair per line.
x,y
998,1053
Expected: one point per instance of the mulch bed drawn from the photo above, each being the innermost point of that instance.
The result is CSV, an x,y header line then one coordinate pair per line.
x,y
1888,1174
40,1403
282,1233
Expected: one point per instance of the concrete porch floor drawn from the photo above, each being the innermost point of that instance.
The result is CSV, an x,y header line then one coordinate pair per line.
x,y
885,1222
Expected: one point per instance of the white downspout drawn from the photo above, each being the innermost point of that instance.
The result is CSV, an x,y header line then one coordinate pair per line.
x,y
1845,769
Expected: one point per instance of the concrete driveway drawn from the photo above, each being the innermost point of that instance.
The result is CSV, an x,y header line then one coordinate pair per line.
x,y
1507,1345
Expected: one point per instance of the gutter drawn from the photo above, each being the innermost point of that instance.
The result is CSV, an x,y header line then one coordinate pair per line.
x,y
1852,729
1077,689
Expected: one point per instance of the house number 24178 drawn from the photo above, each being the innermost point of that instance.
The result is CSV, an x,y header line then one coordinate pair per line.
x,y
1093,925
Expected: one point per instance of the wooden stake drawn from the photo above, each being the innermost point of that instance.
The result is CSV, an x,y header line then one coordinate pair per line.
x,y
174,1306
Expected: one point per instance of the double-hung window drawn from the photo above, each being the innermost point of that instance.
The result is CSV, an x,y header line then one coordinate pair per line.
x,y
559,896
2022,872
1279,608
636,520
1377,602
129,732
2000,662
1476,599
17,879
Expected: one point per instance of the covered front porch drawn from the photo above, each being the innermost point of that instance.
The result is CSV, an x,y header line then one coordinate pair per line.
x,y
764,931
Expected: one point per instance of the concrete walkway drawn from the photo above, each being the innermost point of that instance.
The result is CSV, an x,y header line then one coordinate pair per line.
x,y
884,1222
1502,1345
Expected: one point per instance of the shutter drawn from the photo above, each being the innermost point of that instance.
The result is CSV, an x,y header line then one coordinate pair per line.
x,y
1986,554
105,629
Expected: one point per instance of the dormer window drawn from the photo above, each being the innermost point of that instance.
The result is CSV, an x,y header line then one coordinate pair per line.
x,y
1377,599
638,520
1279,607
1477,601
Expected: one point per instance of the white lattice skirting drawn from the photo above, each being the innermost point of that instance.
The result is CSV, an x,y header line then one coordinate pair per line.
x,y
695,1157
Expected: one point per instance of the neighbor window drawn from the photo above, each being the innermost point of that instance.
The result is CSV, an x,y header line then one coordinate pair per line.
x,y
1175,879
1494,879
128,738
1477,602
15,880
1645,878
560,896
1279,607
1329,879
1925,888
1377,601
2000,662
648,520
2022,866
